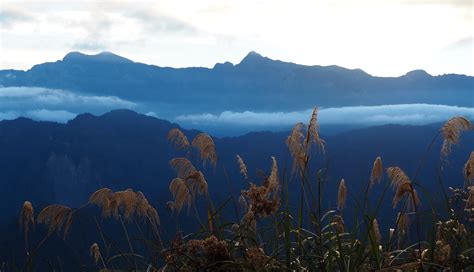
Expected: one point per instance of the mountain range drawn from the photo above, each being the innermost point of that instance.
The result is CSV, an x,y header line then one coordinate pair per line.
x,y
257,83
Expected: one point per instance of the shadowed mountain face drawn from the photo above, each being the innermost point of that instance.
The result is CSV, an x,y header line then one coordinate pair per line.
x,y
257,83
47,162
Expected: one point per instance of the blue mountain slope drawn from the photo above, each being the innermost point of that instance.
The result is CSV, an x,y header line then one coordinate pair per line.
x,y
256,83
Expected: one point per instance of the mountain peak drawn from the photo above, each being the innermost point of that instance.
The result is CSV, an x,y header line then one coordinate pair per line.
x,y
100,57
253,57
417,74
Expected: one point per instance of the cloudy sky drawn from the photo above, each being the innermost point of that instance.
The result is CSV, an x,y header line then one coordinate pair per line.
x,y
386,38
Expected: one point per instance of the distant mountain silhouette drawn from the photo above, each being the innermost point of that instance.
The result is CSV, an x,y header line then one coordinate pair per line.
x,y
256,83
48,162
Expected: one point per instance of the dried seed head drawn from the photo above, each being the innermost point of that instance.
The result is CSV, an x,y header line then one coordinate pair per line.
x,y
377,171
177,137
312,135
56,217
27,218
242,166
207,150
103,198
197,183
397,177
451,131
295,146
181,194
182,166
341,195
95,252
273,183
405,190
469,170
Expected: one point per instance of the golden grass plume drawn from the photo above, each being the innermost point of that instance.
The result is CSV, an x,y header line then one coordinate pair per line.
x,y
295,146
27,217
95,252
181,194
242,166
56,217
403,188
178,139
377,171
341,195
312,135
451,132
205,145
469,170
182,166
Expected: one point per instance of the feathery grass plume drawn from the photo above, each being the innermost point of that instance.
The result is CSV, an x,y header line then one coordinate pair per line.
x,y
95,252
312,135
411,197
27,218
403,188
273,183
469,170
451,131
145,210
295,146
124,202
181,194
397,177
242,166
177,137
375,226
341,195
197,183
377,172
103,198
207,150
56,217
182,166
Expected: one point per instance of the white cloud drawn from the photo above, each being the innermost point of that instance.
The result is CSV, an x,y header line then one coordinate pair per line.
x,y
22,96
60,116
380,37
360,115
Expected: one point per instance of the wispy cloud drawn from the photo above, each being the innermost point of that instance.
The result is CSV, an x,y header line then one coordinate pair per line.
x,y
24,96
361,115
60,116
54,104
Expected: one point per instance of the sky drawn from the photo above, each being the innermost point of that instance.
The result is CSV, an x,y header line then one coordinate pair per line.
x,y
383,38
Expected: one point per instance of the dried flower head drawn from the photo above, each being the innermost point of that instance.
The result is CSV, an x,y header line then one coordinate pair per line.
x,y
95,252
181,194
403,189
295,146
451,131
57,218
341,195
197,183
125,203
273,182
312,135
207,150
397,177
377,171
242,166
177,137
27,218
256,258
469,170
182,166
